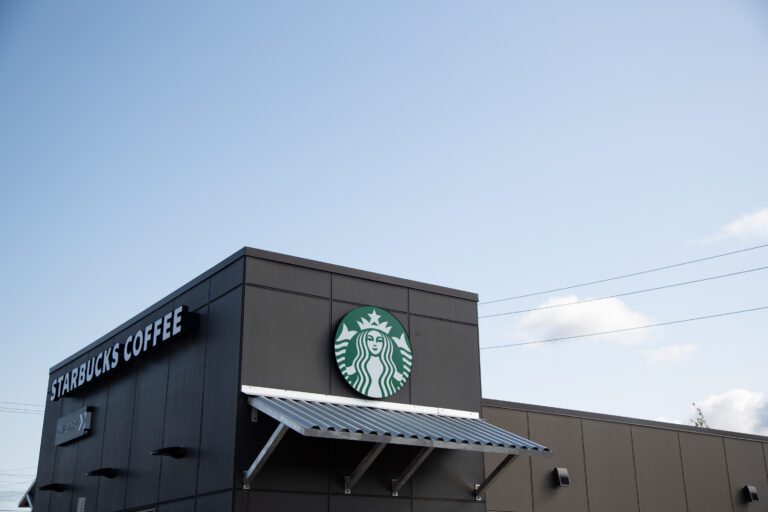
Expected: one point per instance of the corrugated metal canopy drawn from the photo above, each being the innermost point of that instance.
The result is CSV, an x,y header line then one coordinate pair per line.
x,y
26,501
379,425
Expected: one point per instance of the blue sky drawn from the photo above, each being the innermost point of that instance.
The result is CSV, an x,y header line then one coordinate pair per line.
x,y
498,147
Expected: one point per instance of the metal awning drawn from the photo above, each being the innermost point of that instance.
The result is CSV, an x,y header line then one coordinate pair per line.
x,y
383,423
26,501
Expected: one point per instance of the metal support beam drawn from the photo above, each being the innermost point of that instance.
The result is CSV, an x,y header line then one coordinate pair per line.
x,y
351,480
417,461
480,489
262,458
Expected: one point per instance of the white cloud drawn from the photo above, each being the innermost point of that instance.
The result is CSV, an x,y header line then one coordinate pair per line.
x,y
670,353
739,410
664,419
747,227
599,316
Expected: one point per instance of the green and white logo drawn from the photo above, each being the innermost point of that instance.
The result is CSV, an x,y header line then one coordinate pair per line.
x,y
373,352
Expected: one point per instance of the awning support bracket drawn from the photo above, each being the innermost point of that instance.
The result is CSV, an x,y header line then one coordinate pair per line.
x,y
357,474
406,475
262,458
480,489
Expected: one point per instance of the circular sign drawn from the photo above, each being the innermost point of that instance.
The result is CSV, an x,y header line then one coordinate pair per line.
x,y
373,352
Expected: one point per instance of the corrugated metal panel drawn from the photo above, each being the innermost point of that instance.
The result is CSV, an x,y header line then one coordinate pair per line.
x,y
358,423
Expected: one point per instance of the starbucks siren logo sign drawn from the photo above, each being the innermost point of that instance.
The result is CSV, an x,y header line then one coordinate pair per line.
x,y
373,352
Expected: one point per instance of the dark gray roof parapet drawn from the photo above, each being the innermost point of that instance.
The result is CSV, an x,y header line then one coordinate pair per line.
x,y
281,258
372,276
488,402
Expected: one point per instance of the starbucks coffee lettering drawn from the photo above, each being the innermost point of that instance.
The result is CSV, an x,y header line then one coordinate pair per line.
x,y
162,330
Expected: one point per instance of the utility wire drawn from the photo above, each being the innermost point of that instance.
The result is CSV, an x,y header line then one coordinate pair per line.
x,y
577,336
19,411
11,408
2,403
625,294
625,275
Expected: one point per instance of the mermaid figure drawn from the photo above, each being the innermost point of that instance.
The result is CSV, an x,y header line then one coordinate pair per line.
x,y
373,370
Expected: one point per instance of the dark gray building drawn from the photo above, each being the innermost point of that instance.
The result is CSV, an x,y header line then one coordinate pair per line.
x,y
277,383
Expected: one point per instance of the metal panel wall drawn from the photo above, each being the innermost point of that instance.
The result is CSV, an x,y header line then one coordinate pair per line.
x,y
628,464
184,394
746,466
66,460
368,504
659,470
116,439
290,347
446,363
291,309
259,501
147,430
47,458
220,395
183,411
513,490
706,475
610,467
89,449
563,436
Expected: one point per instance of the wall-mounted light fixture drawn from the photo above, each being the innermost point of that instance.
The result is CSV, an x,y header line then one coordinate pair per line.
x,y
750,494
561,477
105,472
174,452
53,487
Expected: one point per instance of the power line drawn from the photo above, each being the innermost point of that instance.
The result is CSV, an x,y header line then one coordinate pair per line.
x,y
577,336
11,408
20,403
625,294
19,411
624,275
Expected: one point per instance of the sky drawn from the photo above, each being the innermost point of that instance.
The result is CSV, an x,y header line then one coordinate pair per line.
x,y
498,147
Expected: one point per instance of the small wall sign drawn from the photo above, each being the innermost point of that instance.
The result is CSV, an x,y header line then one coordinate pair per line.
x,y
373,352
73,426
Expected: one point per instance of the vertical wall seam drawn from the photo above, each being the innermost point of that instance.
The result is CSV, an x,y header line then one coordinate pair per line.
x,y
764,446
728,474
634,465
410,337
165,414
410,380
77,457
101,452
330,383
530,461
330,329
59,402
682,471
584,455
202,398
130,444
239,380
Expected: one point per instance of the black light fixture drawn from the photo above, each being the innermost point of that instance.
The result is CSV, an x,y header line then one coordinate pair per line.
x,y
105,472
53,487
175,452
561,477
750,493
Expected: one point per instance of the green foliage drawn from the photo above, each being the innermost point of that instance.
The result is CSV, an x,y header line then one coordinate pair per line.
x,y
698,419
